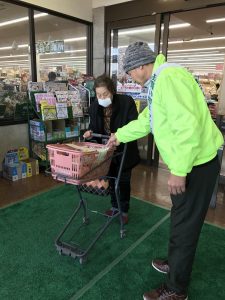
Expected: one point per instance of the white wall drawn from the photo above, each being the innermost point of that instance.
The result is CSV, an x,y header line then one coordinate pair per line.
x,y
81,9
12,137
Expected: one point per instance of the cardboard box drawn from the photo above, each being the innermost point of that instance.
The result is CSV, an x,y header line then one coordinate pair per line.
x,y
32,166
14,172
11,157
23,153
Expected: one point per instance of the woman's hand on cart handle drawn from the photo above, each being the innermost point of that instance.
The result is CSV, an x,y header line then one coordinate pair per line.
x,y
87,134
112,141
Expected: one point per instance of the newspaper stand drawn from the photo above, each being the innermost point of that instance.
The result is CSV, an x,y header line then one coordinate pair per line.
x,y
72,166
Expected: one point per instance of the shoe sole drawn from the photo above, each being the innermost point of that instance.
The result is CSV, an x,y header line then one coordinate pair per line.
x,y
160,271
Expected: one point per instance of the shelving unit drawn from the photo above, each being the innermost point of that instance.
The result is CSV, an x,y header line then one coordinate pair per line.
x,y
44,126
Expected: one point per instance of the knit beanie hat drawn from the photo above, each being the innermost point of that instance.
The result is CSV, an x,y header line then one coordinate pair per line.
x,y
136,55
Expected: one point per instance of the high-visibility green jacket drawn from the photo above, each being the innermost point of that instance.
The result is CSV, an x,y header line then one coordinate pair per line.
x,y
184,131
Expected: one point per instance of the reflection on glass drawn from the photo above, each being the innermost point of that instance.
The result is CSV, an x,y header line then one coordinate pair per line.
x,y
124,81
200,47
125,85
14,62
61,48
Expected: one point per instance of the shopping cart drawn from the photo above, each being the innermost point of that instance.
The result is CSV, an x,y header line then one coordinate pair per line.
x,y
79,164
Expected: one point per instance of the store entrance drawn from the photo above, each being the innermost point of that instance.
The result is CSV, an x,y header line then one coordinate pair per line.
x,y
122,34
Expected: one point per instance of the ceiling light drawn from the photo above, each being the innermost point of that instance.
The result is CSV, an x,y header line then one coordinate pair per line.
x,y
21,20
196,49
13,61
72,51
181,25
67,51
200,63
215,54
64,57
83,38
11,56
215,20
198,40
203,59
6,48
152,29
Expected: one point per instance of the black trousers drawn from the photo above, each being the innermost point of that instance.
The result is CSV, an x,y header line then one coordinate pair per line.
x,y
187,217
124,187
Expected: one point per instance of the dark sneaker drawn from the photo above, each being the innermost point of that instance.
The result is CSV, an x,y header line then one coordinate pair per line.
x,y
163,293
112,211
161,265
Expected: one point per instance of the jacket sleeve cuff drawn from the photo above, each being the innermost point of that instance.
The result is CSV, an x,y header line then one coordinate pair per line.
x,y
178,173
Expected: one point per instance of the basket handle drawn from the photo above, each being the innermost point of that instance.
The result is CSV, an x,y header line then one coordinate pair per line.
x,y
98,135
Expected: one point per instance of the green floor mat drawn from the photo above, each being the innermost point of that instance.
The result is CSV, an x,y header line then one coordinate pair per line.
x,y
134,275
31,268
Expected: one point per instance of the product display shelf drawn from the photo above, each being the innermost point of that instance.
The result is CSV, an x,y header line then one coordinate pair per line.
x,y
43,132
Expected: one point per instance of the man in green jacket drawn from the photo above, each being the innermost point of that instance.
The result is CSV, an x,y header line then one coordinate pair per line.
x,y
188,141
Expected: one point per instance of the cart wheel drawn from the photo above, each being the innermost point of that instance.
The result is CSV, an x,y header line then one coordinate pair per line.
x,y
122,234
82,260
86,221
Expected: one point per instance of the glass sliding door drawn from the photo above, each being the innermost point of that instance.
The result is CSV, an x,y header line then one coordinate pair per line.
x,y
120,40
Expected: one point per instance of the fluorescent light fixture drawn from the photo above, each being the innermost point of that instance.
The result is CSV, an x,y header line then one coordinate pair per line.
x,y
198,40
11,56
6,48
200,63
64,57
73,51
196,49
181,25
67,51
209,54
152,29
83,38
202,59
23,46
215,20
21,20
14,61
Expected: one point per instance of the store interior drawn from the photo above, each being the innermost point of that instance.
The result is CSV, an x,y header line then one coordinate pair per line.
x,y
196,41
65,46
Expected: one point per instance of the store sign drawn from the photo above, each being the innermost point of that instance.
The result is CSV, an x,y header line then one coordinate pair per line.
x,y
50,46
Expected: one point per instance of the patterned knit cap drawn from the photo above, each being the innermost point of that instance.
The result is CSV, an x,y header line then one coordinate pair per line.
x,y
136,55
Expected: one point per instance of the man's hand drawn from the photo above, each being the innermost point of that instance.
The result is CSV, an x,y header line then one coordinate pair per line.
x,y
112,141
87,134
176,184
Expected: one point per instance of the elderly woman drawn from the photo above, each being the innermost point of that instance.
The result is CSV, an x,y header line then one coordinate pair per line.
x,y
108,112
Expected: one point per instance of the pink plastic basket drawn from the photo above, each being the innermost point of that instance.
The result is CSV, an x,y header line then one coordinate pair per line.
x,y
75,166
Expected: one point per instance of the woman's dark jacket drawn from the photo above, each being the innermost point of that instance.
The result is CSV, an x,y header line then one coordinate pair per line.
x,y
123,111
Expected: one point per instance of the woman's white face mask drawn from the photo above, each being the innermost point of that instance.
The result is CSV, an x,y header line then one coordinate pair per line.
x,y
105,102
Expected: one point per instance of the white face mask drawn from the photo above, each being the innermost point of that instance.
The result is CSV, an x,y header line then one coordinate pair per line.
x,y
105,102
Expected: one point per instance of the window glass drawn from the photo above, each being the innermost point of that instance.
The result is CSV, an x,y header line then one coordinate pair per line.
x,y
14,62
199,45
61,46
124,83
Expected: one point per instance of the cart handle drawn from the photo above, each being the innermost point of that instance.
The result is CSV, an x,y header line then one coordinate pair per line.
x,y
98,135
